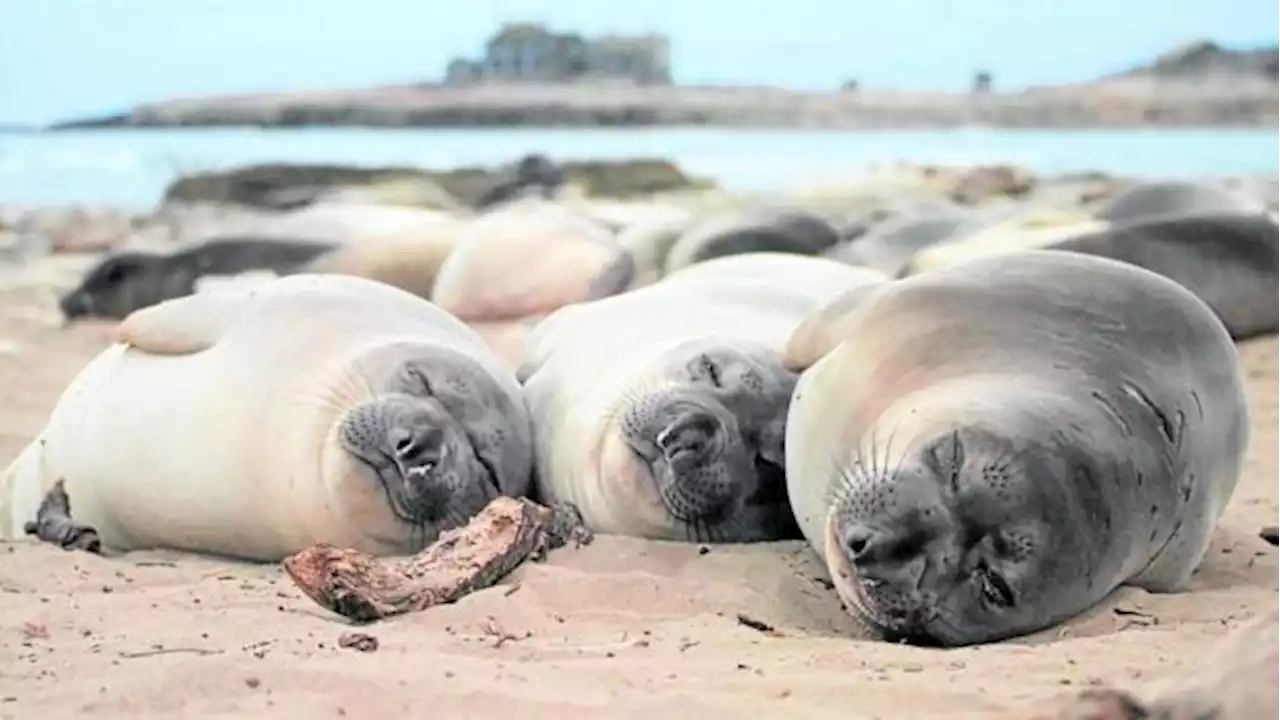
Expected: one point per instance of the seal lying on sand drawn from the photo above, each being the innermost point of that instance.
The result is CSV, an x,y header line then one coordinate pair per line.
x,y
659,413
528,259
649,244
131,280
996,446
1150,200
888,246
408,259
255,422
1229,260
790,231
1024,231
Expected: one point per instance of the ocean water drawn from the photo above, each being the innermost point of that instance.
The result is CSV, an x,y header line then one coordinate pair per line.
x,y
132,167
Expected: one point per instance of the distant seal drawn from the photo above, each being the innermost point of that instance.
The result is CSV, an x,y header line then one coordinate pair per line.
x,y
130,280
1154,199
998,445
793,231
660,413
253,423
887,247
1023,231
649,244
527,260
409,259
335,221
1228,260
530,174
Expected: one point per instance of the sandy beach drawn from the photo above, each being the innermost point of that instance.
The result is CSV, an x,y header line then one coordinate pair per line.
x,y
620,628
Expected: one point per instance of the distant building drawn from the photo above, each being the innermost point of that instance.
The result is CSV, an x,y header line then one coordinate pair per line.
x,y
528,52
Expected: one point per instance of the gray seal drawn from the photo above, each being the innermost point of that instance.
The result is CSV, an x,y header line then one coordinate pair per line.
x,y
1149,200
790,231
1231,261
130,280
996,446
659,413
889,246
254,422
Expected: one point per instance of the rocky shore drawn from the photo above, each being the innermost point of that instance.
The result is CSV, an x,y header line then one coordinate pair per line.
x,y
1199,85
1119,105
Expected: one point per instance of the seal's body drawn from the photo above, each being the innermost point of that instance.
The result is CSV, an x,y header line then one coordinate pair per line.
x,y
130,280
1231,261
996,446
660,413
255,421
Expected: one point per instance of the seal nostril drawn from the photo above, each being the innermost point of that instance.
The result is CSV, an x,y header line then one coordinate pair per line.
x,y
857,541
402,442
688,436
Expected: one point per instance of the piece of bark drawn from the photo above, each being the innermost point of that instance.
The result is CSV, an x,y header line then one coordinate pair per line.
x,y
364,588
53,524
1234,679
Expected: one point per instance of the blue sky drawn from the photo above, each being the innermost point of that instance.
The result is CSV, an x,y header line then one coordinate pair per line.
x,y
61,58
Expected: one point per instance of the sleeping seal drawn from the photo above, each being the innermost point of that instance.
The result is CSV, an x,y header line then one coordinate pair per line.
x,y
255,421
1229,260
996,446
659,413
1177,197
790,231
888,246
131,280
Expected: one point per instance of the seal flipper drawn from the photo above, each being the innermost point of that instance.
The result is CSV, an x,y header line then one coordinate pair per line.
x,y
185,325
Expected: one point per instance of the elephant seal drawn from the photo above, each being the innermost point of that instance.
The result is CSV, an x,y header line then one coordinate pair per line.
x,y
1229,260
1149,200
254,422
659,413
409,259
889,245
649,244
131,280
793,231
530,174
1024,231
529,259
998,445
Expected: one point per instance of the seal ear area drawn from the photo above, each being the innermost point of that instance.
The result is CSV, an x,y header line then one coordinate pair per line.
x,y
827,327
185,325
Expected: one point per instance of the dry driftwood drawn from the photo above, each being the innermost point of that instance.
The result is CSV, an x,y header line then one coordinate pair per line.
x,y
364,588
1235,680
53,523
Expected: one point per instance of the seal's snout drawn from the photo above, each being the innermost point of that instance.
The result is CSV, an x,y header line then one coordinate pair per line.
x,y
885,555
696,485
689,439
73,305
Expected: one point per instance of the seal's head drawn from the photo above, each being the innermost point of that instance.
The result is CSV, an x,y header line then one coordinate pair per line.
x,y
420,451
971,536
709,438
124,282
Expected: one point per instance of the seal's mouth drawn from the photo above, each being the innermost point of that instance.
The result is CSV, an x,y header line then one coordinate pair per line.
x,y
857,594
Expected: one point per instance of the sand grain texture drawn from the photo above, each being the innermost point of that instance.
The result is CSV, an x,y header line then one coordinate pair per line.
x,y
619,628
